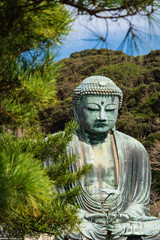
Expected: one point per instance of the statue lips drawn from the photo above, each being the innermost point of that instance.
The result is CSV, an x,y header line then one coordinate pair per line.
x,y
103,123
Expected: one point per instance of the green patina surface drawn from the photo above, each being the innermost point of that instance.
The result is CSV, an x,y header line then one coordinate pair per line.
x,y
114,203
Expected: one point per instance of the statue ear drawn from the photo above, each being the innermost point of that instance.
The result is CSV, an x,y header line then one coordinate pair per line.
x,y
75,114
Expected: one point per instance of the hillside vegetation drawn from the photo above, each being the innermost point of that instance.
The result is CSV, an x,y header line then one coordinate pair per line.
x,y
139,79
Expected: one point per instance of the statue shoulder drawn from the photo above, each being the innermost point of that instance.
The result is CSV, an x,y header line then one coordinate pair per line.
x,y
129,141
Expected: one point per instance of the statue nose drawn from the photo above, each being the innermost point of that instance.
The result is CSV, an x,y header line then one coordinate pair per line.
x,y
102,115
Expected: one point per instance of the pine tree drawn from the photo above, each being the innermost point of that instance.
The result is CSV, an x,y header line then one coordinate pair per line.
x,y
30,202
35,198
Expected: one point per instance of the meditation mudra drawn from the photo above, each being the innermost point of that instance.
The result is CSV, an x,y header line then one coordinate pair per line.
x,y
114,203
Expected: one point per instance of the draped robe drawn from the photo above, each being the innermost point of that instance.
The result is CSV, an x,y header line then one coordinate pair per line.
x,y
134,179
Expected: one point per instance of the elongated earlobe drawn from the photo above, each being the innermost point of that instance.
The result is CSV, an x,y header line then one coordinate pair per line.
x,y
75,114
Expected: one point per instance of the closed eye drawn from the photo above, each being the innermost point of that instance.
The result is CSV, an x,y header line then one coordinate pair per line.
x,y
110,108
92,109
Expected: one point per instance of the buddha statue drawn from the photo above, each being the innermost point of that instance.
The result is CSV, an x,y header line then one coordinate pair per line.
x,y
114,202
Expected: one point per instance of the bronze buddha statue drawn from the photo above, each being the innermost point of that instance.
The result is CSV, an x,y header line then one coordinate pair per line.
x,y
114,203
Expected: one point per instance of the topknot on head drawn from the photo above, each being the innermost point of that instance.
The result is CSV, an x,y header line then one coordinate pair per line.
x,y
96,85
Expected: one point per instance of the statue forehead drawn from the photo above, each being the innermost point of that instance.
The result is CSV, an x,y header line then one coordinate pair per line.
x,y
99,99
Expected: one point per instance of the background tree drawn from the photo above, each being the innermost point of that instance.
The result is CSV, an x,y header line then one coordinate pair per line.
x,y
27,75
28,203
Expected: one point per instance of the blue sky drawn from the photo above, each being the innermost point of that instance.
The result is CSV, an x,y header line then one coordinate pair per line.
x,y
85,35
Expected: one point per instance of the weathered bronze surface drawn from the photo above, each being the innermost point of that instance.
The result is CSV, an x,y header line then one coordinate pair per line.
x,y
114,203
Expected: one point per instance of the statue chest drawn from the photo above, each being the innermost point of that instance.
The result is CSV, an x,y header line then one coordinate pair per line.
x,y
102,175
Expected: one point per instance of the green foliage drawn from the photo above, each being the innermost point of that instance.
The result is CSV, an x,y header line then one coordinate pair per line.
x,y
28,25
33,204
20,175
30,202
124,73
28,30
35,91
154,136
56,218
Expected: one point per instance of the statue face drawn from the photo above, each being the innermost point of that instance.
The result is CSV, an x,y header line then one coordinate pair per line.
x,y
98,114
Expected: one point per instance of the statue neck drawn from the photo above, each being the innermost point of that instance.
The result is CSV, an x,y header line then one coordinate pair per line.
x,y
93,138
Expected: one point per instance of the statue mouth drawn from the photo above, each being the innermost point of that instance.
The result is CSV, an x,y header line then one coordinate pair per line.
x,y
103,123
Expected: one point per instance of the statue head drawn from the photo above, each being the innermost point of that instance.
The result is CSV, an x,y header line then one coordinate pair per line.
x,y
95,104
